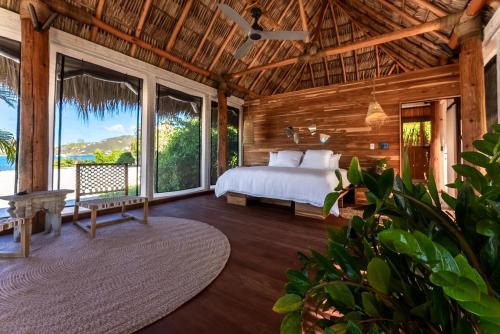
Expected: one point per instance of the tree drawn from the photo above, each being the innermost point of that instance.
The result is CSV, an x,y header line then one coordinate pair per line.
x,y
8,145
179,156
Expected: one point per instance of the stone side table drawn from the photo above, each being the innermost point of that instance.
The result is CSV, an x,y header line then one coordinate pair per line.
x,y
25,207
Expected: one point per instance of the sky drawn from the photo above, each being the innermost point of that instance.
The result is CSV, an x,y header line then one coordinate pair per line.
x,y
75,129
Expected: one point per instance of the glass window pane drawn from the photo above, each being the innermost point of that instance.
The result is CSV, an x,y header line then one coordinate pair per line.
x,y
178,141
233,124
9,116
97,120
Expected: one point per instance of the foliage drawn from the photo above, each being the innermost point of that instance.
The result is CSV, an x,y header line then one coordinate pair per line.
x,y
381,166
406,265
8,146
416,133
116,156
178,156
232,152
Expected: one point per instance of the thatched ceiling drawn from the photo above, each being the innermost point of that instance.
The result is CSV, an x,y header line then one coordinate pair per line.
x,y
208,39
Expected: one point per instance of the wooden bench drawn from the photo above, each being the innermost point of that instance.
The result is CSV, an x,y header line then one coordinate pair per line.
x,y
105,179
24,226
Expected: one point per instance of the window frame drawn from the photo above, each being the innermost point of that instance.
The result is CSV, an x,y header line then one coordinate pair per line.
x,y
76,47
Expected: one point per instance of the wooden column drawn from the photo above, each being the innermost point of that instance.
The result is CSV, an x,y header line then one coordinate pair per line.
x,y
222,132
34,116
438,120
473,108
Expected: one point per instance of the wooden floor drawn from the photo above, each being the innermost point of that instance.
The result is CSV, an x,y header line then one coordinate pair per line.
x,y
264,240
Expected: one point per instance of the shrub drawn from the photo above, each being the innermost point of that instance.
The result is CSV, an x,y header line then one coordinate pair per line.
x,y
407,265
126,158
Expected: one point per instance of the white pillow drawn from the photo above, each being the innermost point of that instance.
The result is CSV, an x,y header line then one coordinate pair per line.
x,y
273,157
317,159
288,159
334,161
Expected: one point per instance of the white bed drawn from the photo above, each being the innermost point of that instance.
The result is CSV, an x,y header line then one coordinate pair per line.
x,y
301,185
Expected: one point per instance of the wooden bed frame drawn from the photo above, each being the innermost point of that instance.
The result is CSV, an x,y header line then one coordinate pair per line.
x,y
299,209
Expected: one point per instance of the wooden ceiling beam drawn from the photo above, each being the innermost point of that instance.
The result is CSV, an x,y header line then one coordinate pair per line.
x,y
146,7
81,15
431,7
389,24
273,58
356,69
437,24
204,38
303,18
280,82
360,19
377,60
266,42
412,20
386,48
98,13
295,77
312,75
342,63
177,28
472,10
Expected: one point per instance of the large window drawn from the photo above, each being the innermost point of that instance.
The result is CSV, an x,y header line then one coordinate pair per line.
x,y
9,117
233,129
178,140
97,119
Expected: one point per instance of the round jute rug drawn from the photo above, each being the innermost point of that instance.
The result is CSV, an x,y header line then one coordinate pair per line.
x,y
129,276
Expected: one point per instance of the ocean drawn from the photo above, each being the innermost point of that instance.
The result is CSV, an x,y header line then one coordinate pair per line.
x,y
4,165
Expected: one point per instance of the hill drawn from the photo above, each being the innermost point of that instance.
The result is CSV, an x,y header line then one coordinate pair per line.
x,y
106,145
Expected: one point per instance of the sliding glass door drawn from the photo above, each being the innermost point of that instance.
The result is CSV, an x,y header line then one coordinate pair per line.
x,y
9,117
177,140
233,130
97,120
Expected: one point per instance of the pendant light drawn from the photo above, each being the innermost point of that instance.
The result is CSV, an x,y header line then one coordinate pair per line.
x,y
376,115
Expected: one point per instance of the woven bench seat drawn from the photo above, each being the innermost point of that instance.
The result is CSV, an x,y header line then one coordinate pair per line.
x,y
25,227
104,179
110,202
9,223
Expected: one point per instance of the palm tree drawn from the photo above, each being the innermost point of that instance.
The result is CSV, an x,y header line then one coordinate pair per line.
x,y
8,145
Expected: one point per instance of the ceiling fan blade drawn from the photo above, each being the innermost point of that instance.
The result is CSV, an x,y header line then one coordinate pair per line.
x,y
285,35
237,18
243,49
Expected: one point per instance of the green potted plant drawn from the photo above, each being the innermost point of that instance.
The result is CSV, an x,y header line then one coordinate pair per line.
x,y
408,265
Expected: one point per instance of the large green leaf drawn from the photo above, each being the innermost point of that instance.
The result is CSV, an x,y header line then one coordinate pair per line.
x,y
330,201
484,146
468,272
379,275
341,293
476,158
433,191
291,323
340,186
456,286
386,182
345,261
487,306
354,174
297,283
369,304
288,303
352,328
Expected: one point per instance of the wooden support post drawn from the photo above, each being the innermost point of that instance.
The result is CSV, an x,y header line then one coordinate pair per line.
x,y
473,105
222,132
34,117
438,120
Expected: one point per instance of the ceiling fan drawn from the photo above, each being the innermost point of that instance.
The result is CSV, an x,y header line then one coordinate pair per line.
x,y
256,32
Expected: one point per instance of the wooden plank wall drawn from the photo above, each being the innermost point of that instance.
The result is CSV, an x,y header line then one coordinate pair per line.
x,y
343,107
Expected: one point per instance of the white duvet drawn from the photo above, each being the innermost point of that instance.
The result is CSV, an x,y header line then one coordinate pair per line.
x,y
302,185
